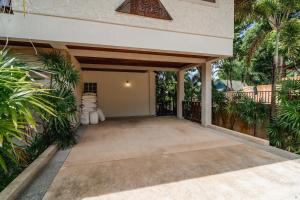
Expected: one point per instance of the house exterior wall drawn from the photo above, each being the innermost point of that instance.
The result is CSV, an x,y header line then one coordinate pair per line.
x,y
197,27
189,16
115,99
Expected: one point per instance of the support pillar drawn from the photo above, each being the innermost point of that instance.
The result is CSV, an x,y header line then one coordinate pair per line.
x,y
152,93
206,94
180,92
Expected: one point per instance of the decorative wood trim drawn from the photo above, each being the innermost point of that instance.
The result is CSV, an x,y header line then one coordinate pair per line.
x,y
146,8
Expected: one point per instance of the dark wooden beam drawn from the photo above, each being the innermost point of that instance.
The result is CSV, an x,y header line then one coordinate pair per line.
x,y
133,51
25,44
114,70
128,62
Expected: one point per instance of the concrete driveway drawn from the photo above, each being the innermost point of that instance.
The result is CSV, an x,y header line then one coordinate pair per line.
x,y
170,159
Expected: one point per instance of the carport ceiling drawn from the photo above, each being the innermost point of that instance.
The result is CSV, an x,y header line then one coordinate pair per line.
x,y
134,58
94,57
129,62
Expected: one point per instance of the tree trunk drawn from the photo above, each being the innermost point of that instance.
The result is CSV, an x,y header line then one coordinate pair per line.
x,y
227,84
254,126
230,80
224,118
274,77
282,72
254,129
232,121
192,93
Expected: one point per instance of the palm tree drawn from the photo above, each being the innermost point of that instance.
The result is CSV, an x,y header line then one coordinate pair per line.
x,y
277,14
227,70
21,100
290,47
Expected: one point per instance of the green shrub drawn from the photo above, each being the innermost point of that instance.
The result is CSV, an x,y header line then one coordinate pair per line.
x,y
284,130
6,176
61,128
219,101
251,112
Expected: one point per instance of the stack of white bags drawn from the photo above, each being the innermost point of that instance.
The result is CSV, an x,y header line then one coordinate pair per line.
x,y
90,113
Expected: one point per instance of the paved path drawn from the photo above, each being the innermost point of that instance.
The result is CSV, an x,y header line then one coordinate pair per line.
x,y
166,158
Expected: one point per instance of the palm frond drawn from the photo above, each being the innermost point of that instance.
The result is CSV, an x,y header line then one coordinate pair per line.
x,y
20,100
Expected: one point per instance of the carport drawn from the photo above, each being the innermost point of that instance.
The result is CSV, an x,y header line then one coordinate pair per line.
x,y
126,78
167,158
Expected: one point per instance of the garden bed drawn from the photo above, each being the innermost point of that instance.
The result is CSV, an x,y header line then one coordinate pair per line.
x,y
24,179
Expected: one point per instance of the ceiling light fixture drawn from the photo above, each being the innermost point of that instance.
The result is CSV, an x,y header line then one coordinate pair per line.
x,y
127,84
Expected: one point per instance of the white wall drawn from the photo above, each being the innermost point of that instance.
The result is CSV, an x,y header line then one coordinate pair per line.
x,y
117,100
189,16
196,28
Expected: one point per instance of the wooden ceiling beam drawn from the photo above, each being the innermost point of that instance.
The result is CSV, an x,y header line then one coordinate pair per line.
x,y
136,56
148,68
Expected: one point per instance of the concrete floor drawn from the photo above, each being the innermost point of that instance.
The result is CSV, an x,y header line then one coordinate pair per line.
x,y
166,158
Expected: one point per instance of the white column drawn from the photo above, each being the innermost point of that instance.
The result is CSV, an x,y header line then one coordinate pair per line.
x,y
180,92
206,97
152,93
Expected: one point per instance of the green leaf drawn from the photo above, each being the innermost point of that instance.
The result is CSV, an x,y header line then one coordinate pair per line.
x,y
3,165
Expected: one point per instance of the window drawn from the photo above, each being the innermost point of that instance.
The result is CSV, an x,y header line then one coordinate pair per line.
x,y
5,6
90,88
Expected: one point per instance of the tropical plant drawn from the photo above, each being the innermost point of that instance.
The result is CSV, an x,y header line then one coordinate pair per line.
x,y
22,100
277,14
12,172
63,79
192,87
166,91
284,131
227,71
166,85
290,45
231,109
251,112
219,101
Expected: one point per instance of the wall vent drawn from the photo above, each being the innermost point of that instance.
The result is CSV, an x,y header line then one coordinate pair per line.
x,y
146,8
